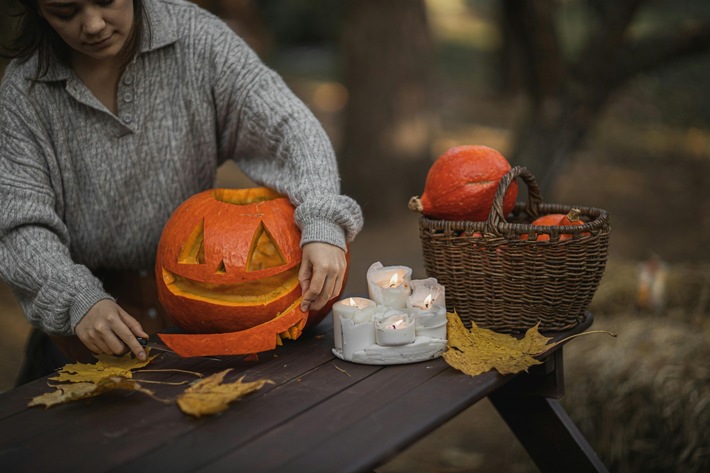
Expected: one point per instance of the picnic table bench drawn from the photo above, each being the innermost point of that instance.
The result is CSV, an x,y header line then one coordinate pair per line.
x,y
321,414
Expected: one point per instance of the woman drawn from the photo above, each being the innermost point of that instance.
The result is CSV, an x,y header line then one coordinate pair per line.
x,y
112,114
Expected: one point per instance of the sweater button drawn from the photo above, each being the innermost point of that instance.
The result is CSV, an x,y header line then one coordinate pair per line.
x,y
127,118
128,80
128,97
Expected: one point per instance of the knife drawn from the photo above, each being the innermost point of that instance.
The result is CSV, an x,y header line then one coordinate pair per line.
x,y
146,343
158,346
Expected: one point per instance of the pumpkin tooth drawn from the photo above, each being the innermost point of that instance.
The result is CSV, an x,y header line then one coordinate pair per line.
x,y
278,340
300,324
295,332
285,335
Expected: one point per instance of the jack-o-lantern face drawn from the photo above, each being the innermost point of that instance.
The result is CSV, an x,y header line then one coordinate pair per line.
x,y
228,260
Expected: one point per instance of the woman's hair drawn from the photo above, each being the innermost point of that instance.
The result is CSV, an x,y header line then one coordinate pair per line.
x,y
35,35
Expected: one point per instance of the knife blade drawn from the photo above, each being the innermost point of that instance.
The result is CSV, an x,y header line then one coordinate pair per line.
x,y
153,345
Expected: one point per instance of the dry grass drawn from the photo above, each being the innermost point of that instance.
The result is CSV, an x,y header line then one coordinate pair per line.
x,y
643,400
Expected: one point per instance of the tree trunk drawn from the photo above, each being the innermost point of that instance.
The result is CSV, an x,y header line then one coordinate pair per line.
x,y
387,139
566,98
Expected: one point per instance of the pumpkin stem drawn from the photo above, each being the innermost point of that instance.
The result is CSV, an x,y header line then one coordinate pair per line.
x,y
573,215
415,204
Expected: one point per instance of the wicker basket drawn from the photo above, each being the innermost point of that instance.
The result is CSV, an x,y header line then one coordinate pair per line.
x,y
507,283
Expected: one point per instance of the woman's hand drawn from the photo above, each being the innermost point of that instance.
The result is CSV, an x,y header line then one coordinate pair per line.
x,y
322,273
107,328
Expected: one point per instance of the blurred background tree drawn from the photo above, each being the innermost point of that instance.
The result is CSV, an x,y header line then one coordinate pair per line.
x,y
568,83
386,150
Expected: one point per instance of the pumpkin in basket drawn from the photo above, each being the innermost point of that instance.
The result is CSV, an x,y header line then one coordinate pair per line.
x,y
228,261
557,220
462,183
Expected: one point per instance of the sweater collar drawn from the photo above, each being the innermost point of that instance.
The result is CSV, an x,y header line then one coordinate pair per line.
x,y
160,30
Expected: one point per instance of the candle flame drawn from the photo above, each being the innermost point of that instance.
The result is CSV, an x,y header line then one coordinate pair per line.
x,y
427,301
396,324
351,302
394,280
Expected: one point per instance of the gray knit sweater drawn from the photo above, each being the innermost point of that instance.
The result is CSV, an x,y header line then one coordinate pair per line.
x,y
82,188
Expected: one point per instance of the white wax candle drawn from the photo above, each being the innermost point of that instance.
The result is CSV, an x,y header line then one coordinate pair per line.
x,y
425,293
389,285
397,329
430,322
427,304
430,317
356,336
357,309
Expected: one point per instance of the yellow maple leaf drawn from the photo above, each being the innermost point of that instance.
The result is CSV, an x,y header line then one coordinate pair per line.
x,y
106,367
81,390
209,396
479,350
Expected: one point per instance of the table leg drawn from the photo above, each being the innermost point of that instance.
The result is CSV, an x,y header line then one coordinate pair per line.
x,y
530,406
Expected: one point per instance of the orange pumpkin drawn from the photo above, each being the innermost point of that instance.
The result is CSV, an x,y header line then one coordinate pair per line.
x,y
556,220
462,183
228,261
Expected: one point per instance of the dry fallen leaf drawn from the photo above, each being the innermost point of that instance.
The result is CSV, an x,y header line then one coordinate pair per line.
x,y
82,390
209,396
106,367
479,350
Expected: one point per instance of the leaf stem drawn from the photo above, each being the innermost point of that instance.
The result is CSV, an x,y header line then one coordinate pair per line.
x,y
199,375
566,339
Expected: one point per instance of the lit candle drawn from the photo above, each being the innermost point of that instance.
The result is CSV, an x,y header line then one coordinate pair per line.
x,y
353,324
357,309
389,285
397,329
425,293
428,307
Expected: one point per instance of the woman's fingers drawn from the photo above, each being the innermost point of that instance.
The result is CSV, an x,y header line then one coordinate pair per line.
x,y
322,273
107,328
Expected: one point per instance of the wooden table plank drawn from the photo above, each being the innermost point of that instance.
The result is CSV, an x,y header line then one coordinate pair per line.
x,y
388,431
251,418
383,428
341,412
25,424
123,426
322,414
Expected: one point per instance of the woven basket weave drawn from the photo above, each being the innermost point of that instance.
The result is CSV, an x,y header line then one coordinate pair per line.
x,y
507,283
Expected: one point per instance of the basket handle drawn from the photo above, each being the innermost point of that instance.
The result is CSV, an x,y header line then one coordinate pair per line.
x,y
496,217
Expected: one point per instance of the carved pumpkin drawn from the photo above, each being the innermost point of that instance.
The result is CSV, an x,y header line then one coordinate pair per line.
x,y
462,183
228,261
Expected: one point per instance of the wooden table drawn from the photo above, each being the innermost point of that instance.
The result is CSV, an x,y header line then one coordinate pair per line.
x,y
321,415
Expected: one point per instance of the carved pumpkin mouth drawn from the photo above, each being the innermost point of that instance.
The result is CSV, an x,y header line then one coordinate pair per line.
x,y
249,293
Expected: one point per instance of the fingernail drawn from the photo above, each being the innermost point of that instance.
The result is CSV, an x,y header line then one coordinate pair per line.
x,y
304,306
141,356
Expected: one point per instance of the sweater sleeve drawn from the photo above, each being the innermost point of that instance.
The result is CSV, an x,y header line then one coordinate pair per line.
x,y
35,261
278,142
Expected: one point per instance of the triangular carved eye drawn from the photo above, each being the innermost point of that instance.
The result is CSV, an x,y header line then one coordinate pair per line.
x,y
193,251
221,269
264,253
